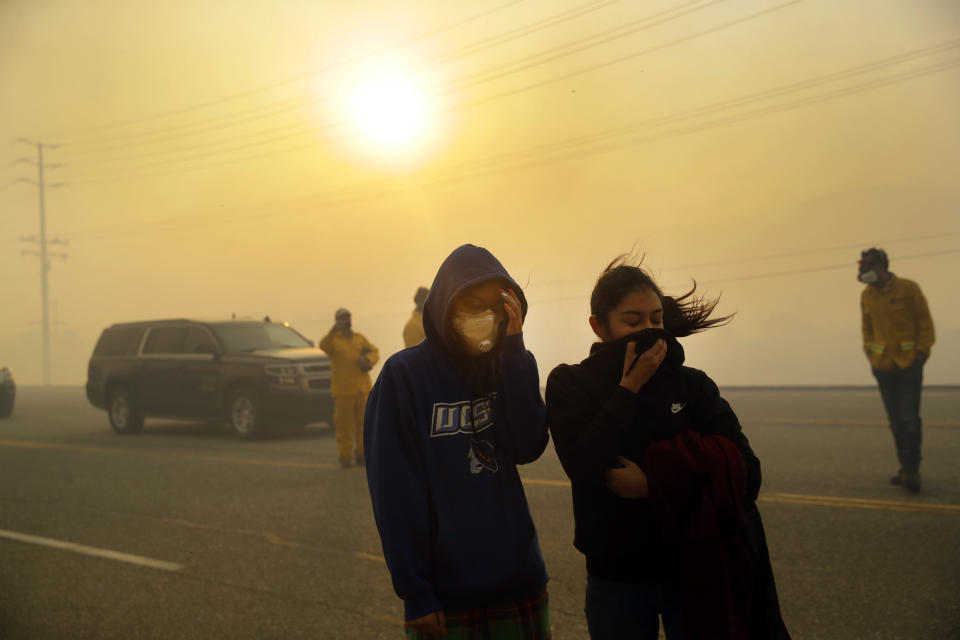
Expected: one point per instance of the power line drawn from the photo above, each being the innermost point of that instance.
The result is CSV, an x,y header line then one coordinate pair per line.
x,y
587,146
299,131
759,96
598,39
293,104
845,265
794,254
164,136
761,276
467,105
712,124
327,69
580,147
470,80
634,55
779,256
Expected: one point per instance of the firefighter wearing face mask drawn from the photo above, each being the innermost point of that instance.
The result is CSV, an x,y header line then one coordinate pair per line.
x,y
351,358
897,337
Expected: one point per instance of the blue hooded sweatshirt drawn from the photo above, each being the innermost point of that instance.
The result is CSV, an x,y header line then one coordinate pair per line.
x,y
443,435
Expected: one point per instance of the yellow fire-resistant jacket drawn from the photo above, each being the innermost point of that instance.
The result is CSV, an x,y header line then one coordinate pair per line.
x,y
896,324
413,332
348,378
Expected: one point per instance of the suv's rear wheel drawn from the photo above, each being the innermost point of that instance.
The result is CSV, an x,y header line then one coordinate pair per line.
x,y
124,416
243,414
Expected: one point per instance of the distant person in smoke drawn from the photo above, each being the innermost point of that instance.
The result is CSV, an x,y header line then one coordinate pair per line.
x,y
897,337
351,358
664,480
413,331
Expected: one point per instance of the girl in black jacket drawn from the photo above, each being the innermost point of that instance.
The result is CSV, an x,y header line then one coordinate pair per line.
x,y
603,414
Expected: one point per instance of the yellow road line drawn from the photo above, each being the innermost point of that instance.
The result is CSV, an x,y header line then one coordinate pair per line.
x,y
852,421
898,503
548,483
821,501
852,505
24,444
370,556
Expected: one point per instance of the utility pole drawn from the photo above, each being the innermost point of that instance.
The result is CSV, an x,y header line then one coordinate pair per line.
x,y
43,252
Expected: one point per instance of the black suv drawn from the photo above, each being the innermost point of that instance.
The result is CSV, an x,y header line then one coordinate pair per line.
x,y
256,375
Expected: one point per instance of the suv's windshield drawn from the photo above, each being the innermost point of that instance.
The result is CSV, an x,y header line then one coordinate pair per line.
x,y
239,338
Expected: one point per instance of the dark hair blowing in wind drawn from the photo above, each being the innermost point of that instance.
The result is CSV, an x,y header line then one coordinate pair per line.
x,y
682,315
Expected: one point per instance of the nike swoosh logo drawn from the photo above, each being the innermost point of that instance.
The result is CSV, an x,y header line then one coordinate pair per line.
x,y
677,408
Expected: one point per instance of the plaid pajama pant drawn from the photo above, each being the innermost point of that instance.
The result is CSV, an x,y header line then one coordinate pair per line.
x,y
527,619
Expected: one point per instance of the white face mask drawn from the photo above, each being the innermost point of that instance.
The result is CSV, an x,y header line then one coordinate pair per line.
x,y
868,277
478,330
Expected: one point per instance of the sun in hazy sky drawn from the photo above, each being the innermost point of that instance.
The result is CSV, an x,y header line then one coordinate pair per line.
x,y
388,110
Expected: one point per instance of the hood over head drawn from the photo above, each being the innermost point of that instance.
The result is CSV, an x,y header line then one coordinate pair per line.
x,y
467,265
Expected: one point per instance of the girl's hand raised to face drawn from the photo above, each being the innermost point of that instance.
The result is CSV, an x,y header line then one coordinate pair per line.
x,y
647,364
514,311
628,481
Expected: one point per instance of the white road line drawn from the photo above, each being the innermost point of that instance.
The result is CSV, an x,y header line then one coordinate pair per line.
x,y
91,551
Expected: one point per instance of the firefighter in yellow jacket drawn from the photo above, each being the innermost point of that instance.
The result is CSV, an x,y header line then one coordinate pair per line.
x,y
897,338
351,358
413,331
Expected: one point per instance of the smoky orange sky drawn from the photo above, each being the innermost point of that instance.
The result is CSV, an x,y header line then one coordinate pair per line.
x,y
213,165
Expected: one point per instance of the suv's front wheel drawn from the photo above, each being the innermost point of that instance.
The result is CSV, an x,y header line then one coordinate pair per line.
x,y
124,416
243,414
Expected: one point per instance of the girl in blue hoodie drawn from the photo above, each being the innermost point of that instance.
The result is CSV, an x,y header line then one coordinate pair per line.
x,y
446,425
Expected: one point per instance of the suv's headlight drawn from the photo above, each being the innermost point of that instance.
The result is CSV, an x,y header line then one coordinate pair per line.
x,y
282,374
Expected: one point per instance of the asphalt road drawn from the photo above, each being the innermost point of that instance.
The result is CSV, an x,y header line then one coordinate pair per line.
x,y
271,539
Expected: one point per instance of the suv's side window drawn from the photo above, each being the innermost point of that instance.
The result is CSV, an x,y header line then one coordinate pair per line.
x,y
198,341
120,341
165,340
